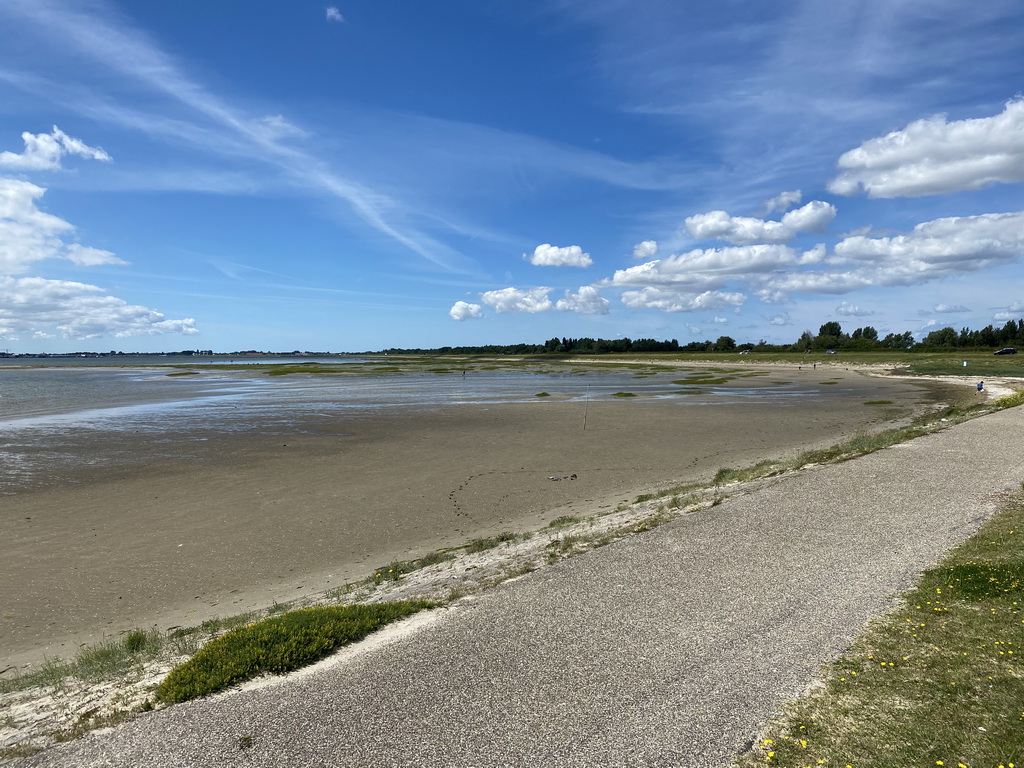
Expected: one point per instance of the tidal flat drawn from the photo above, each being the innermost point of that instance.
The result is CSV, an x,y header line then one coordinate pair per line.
x,y
240,489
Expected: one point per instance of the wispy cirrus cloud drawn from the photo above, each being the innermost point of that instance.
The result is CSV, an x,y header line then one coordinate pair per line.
x,y
96,31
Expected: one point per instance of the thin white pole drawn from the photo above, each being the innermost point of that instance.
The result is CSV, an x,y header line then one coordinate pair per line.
x,y
586,405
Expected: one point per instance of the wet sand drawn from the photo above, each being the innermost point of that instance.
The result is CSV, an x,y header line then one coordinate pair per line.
x,y
238,522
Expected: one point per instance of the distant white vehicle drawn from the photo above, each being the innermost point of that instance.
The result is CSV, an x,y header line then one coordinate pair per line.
x,y
830,351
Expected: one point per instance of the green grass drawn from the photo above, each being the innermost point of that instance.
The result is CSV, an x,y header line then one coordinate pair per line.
x,y
277,645
490,542
624,394
878,402
395,570
563,521
940,681
543,394
106,659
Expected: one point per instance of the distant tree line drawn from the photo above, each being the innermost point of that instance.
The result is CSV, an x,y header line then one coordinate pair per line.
x,y
829,336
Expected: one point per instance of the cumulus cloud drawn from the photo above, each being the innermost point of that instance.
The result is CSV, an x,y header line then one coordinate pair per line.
x,y
513,300
645,250
43,151
712,267
846,309
36,306
587,301
721,320
548,255
933,156
333,14
780,319
781,202
950,308
1013,312
77,310
462,310
672,300
741,230
28,235
932,250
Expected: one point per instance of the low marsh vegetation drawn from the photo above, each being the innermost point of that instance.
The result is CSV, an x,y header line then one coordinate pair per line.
x,y
278,645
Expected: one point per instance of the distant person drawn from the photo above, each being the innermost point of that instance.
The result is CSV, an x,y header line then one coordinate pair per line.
x,y
981,385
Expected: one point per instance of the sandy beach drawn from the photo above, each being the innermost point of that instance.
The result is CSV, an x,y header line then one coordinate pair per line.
x,y
242,521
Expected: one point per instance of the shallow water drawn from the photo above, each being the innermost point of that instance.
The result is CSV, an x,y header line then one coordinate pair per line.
x,y
73,413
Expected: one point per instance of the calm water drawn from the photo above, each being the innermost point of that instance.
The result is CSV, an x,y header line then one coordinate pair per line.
x,y
73,413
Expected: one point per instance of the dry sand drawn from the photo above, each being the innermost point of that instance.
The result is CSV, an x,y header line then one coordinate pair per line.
x,y
241,522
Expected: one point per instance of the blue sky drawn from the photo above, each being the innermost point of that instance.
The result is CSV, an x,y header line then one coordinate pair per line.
x,y
376,173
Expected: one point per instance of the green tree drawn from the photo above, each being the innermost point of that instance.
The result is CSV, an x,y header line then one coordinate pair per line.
x,y
943,337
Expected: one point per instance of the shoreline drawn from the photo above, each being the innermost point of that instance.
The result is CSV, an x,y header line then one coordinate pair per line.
x,y
246,523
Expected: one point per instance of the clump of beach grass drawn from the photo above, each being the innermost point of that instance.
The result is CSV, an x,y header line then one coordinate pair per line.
x,y
563,521
106,659
490,542
939,681
395,570
278,645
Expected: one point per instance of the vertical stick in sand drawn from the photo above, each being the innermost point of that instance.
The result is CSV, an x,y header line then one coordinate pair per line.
x,y
586,405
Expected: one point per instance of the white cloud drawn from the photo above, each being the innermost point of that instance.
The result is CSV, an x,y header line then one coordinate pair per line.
x,y
547,255
1013,312
931,251
933,156
333,14
513,300
587,301
645,250
84,256
32,305
462,310
28,235
780,319
671,300
43,151
846,309
944,308
39,307
781,202
275,127
742,230
712,267
721,320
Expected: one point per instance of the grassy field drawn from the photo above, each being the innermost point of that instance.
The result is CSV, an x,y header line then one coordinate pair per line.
x,y
939,681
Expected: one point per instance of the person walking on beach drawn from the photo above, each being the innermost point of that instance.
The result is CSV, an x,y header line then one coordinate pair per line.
x,y
981,385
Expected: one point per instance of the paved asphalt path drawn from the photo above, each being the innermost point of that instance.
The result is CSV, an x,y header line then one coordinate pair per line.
x,y
668,648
